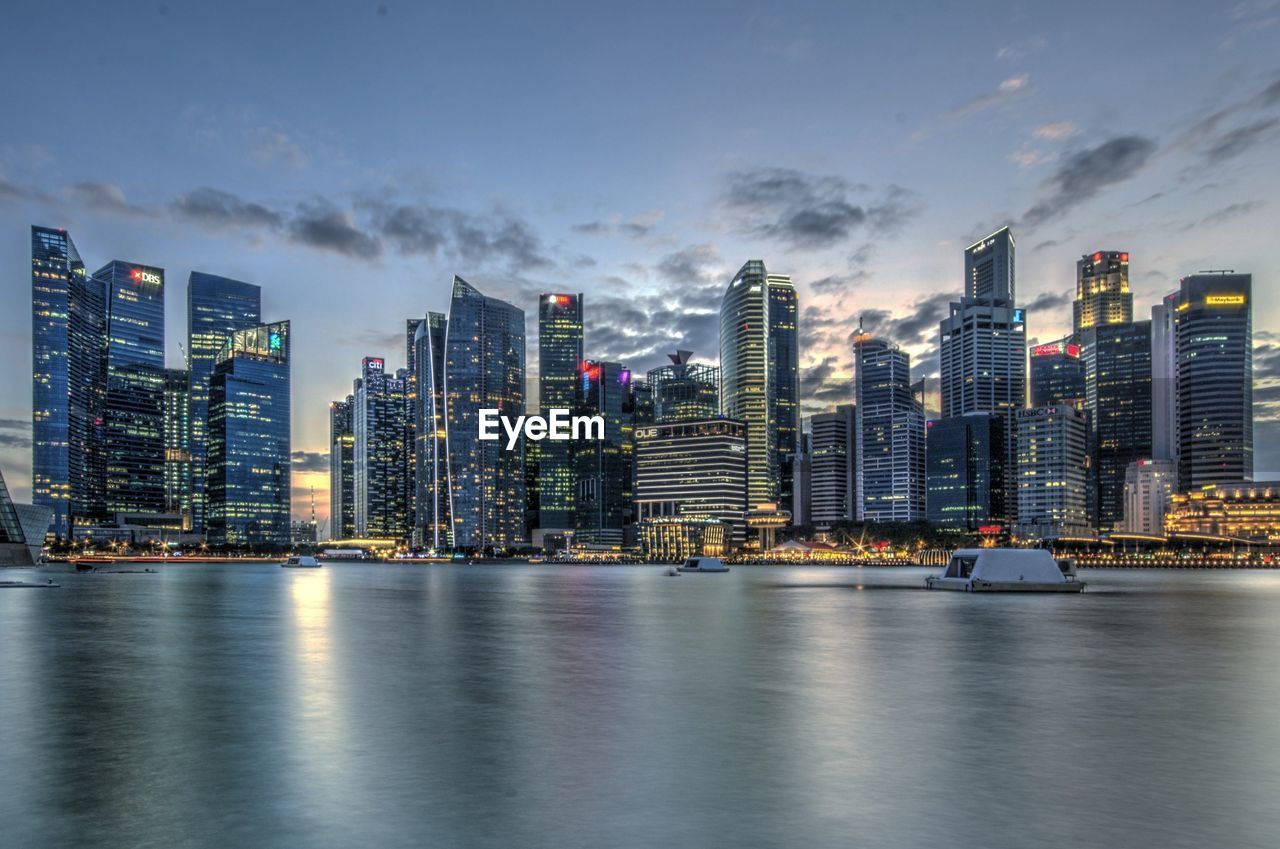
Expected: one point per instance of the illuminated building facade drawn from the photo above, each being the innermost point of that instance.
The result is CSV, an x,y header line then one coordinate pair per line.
x,y
784,378
560,358
484,369
1057,374
249,472
1244,510
966,473
177,445
431,479
1215,379
1052,485
672,539
216,308
56,268
684,391
602,504
832,461
889,433
1148,486
1102,290
379,419
1117,369
342,448
693,469
989,268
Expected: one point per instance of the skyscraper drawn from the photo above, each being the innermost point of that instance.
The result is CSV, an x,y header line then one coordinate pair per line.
x,y
560,357
86,404
759,377
431,479
989,268
1215,379
690,470
1148,487
55,266
379,419
890,433
1102,290
966,473
1117,369
484,369
342,493
1057,374
833,468
216,308
685,391
1051,473
249,486
602,504
177,445
1164,380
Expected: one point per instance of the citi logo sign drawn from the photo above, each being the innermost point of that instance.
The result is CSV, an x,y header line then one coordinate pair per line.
x,y
559,426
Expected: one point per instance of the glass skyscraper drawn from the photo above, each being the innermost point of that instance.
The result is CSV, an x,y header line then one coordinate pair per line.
x,y
890,433
216,308
55,267
560,359
484,369
249,471
381,478
684,391
177,445
966,475
833,467
602,504
342,444
431,479
1057,374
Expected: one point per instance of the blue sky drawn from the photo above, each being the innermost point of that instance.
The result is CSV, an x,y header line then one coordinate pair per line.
x,y
351,157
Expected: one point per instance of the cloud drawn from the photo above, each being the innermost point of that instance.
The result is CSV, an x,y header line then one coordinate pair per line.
x,y
268,145
214,208
1008,89
1216,143
414,229
1047,243
695,264
811,211
310,461
1236,141
15,433
1020,50
1085,173
1055,130
1231,213
1049,301
102,197
829,381
321,225
637,226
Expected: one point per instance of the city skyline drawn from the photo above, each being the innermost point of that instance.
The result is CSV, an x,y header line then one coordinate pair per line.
x,y
867,215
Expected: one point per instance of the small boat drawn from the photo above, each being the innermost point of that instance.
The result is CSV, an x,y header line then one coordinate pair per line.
x,y
303,562
1006,570
703,564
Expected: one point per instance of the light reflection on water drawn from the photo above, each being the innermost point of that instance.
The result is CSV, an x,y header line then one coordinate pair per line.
x,y
408,705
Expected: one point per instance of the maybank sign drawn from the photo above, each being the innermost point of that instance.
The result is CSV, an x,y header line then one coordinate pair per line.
x,y
559,426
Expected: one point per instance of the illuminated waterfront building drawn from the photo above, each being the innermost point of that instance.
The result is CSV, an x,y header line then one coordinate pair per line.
x,y
1057,374
560,356
889,433
1244,510
249,472
342,446
379,422
431,479
484,369
684,391
602,504
1052,485
177,445
1102,290
216,308
1215,379
672,539
1117,369
55,267
966,474
1148,486
832,468
693,469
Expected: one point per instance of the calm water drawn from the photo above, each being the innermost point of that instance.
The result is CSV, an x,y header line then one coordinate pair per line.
x,y
512,706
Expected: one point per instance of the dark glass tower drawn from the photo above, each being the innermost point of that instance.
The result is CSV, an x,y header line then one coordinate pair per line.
x,y
684,391
177,445
342,445
380,423
560,359
890,436
431,479
249,454
216,308
966,476
784,365
1057,374
603,497
484,369
86,404
55,267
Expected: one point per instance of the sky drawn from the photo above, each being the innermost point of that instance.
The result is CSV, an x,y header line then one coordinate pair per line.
x,y
350,158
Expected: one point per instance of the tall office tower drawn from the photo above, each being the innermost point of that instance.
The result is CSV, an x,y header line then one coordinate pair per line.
x,y
833,467
801,505
1215,379
1148,487
1052,488
431,479
643,408
1102,290
249,458
133,425
1164,380
983,347
55,267
560,356
342,450
414,415
685,391
1117,378
216,308
380,480
966,474
889,429
759,376
86,404
602,502
1057,374
177,445
693,470
484,369
989,268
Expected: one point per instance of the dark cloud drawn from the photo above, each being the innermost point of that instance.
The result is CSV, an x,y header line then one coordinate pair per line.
x,y
1049,301
1047,243
215,208
692,264
475,239
591,228
811,211
635,227
310,461
1231,212
1085,173
15,433
1236,141
827,383
324,226
102,197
